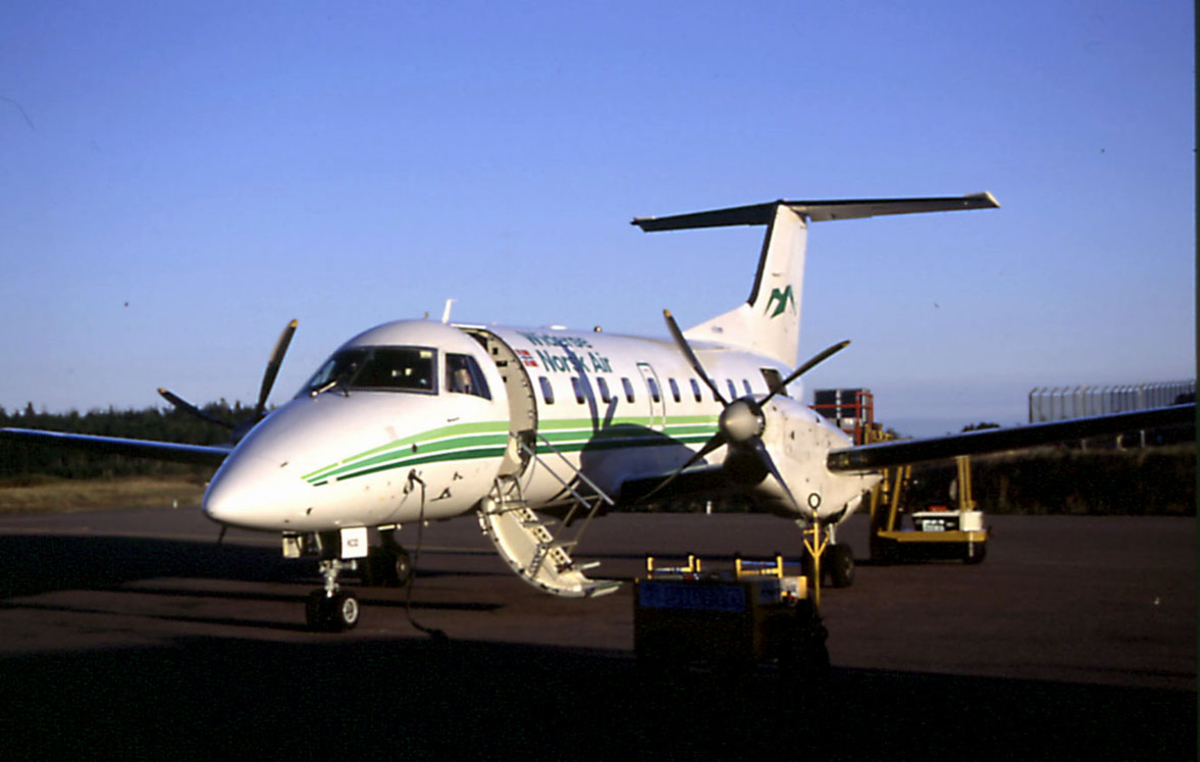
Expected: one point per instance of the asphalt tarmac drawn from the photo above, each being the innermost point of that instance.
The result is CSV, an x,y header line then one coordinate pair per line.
x,y
132,634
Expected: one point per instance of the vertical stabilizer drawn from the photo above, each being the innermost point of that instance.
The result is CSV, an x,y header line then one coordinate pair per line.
x,y
769,322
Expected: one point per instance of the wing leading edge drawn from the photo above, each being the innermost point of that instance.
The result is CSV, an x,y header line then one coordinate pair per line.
x,y
205,455
885,454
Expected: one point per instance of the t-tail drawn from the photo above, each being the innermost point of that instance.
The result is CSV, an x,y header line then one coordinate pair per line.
x,y
768,323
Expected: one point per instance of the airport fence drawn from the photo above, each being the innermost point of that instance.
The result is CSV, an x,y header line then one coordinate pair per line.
x,y
1058,403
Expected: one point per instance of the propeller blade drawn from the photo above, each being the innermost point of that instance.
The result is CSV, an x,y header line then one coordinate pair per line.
x,y
681,342
806,367
760,449
187,407
273,365
715,442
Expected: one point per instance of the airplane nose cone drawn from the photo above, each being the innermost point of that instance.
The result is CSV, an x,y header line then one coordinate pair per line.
x,y
253,492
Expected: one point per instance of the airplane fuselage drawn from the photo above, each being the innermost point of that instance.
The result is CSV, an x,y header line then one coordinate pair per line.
x,y
616,407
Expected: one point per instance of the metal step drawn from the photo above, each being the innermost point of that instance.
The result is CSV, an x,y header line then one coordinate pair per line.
x,y
523,541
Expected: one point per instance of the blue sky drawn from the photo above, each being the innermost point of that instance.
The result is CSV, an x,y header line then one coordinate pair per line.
x,y
223,168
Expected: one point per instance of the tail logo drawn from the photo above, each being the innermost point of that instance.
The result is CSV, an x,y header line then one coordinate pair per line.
x,y
781,300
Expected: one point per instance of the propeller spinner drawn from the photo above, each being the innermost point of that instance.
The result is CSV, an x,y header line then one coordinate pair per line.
x,y
742,422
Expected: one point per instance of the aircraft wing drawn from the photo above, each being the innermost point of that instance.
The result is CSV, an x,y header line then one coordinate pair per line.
x,y
884,454
206,455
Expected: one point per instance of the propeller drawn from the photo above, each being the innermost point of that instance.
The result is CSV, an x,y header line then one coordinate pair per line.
x,y
741,423
260,408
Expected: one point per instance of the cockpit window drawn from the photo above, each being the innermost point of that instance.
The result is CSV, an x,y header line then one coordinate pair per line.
x,y
399,368
463,376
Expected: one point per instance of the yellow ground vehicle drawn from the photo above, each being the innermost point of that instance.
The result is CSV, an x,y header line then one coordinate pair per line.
x,y
940,532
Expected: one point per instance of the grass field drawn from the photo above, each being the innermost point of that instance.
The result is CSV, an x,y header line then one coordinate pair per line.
x,y
36,494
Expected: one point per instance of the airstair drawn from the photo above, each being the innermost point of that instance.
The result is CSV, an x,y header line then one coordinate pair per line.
x,y
523,538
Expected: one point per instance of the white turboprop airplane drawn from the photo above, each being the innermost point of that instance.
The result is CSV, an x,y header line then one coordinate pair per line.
x,y
419,420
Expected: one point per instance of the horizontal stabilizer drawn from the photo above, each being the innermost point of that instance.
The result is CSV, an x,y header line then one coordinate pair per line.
x,y
816,211
205,455
886,454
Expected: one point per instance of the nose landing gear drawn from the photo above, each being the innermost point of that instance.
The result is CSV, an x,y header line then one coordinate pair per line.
x,y
332,609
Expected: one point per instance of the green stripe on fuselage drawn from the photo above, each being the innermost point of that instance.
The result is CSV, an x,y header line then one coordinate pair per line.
x,y
469,441
445,432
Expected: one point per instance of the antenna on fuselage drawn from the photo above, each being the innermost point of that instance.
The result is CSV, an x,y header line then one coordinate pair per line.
x,y
446,312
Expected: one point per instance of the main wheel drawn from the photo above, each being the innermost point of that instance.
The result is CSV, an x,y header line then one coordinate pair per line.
x,y
400,568
386,567
841,565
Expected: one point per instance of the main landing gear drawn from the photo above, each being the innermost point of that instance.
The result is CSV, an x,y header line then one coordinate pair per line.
x,y
387,565
332,608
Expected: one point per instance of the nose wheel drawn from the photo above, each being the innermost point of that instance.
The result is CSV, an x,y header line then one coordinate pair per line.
x,y
331,609
332,613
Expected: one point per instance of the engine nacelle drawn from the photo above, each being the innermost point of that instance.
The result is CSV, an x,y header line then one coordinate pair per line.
x,y
799,440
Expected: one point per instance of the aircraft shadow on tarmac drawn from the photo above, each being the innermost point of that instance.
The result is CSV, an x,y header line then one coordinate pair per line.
x,y
35,564
399,698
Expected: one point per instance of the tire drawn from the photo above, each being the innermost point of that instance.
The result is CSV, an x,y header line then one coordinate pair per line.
x,y
331,613
841,566
315,611
400,568
343,611
386,567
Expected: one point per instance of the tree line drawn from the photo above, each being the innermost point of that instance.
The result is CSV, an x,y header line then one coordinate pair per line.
x,y
20,459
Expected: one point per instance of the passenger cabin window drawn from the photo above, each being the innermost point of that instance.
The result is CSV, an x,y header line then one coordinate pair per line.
x,y
604,395
547,390
732,389
695,389
464,376
408,369
773,379
654,395
746,386
674,389
581,389
628,389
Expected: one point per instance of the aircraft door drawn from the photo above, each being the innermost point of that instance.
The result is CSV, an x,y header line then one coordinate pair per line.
x,y
658,410
522,407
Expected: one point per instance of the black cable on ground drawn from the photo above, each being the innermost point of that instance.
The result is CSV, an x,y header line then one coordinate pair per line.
x,y
433,632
